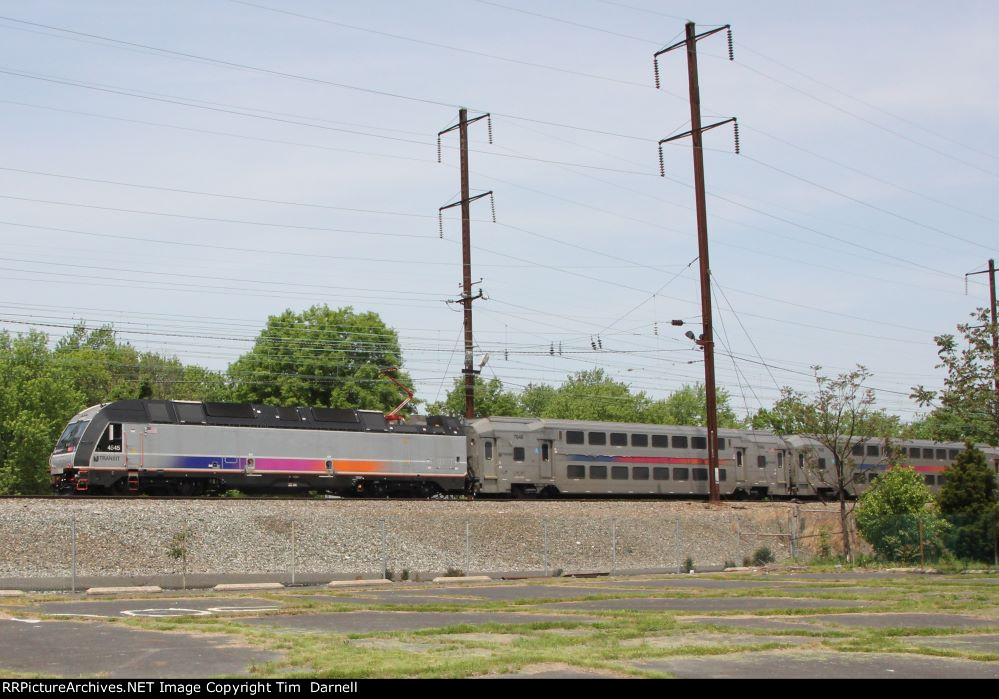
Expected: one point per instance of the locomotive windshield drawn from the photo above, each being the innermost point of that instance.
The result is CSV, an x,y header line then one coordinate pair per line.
x,y
71,437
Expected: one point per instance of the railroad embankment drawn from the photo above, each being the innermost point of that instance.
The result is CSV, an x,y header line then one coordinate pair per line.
x,y
308,539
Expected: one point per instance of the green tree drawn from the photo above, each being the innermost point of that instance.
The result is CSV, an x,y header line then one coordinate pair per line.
x,y
967,407
896,512
839,416
321,357
37,398
968,500
534,399
688,406
104,370
490,399
592,395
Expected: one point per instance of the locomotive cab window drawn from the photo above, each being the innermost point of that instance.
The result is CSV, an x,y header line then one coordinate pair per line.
x,y
518,453
111,439
761,461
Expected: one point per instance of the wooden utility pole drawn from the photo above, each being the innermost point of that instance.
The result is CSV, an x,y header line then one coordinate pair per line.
x,y
706,340
466,248
994,331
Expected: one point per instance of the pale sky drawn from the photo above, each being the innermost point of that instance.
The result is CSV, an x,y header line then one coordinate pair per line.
x,y
306,148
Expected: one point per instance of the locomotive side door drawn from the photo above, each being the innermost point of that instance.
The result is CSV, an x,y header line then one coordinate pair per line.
x,y
134,443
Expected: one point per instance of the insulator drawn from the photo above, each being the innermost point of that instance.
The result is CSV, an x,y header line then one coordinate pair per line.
x,y
731,52
489,127
600,343
593,344
506,355
655,328
551,349
655,69
440,222
560,349
662,163
492,204
438,148
735,127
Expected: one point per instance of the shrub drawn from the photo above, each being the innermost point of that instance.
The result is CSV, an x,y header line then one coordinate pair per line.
x,y
762,556
968,501
895,513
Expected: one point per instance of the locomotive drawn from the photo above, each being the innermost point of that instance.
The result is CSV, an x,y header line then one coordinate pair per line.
x,y
191,448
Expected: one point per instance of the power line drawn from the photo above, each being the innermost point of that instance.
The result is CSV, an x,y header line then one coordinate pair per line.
x,y
435,44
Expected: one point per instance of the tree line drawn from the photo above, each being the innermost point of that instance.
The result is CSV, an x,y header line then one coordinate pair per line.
x,y
335,357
